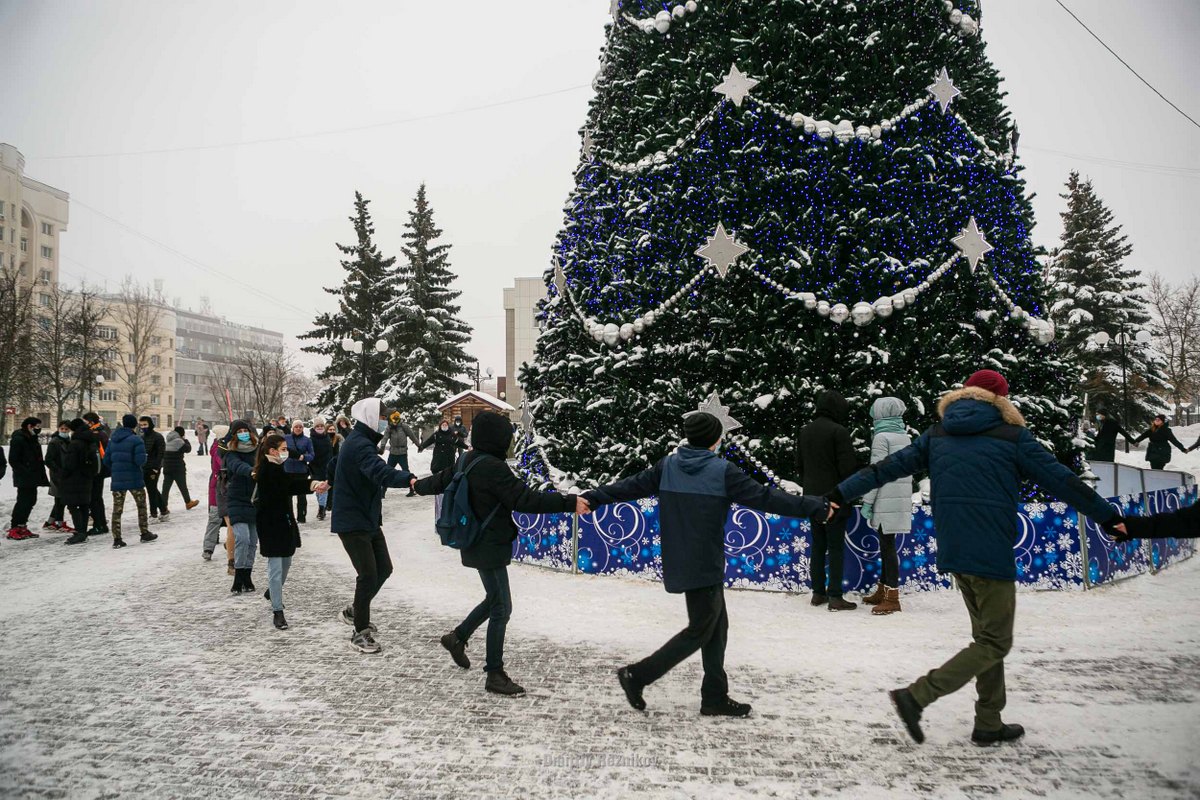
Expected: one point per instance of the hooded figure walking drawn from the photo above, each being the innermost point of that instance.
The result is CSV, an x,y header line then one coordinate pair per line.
x,y
695,488
888,509
977,457
361,476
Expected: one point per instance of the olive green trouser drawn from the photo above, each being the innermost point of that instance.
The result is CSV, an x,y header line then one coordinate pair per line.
x,y
992,606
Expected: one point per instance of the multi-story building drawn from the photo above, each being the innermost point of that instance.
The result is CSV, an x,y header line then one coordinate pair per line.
x,y
207,353
521,331
32,215
114,396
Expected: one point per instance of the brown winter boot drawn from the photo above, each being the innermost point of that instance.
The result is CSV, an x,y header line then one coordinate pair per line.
x,y
890,603
876,596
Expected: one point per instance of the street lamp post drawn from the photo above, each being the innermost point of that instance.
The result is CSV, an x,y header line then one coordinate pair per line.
x,y
352,345
1124,340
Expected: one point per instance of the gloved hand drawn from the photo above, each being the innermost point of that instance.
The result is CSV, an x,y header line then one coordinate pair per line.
x,y
868,511
1116,530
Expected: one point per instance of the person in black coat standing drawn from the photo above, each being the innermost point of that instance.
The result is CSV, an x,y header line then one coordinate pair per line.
x,y
80,465
826,459
494,492
156,448
55,448
1105,440
28,474
99,513
1161,437
446,446
278,533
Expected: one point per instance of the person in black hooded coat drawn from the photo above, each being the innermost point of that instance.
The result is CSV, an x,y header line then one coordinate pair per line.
x,y
80,466
826,458
494,492
446,445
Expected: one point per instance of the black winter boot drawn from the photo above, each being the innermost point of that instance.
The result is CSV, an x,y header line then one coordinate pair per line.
x,y
280,622
247,584
498,682
457,649
238,582
910,713
1007,733
632,689
725,707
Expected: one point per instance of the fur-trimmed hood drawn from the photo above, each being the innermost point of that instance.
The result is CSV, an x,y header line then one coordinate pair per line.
x,y
1007,412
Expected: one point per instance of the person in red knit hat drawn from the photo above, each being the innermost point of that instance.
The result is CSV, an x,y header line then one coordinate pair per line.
x,y
977,457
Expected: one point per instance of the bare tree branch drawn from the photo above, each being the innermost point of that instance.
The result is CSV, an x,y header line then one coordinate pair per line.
x,y
138,315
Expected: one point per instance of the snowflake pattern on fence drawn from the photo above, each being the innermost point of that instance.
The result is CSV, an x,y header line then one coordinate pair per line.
x,y
1113,561
544,539
1164,552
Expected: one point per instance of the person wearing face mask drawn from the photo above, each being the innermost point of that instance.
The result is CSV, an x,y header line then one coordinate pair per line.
x,y
322,441
156,447
1161,437
238,463
397,437
99,515
361,478
458,429
80,465
125,460
446,446
54,465
216,503
300,456
278,534
175,470
1105,440
28,474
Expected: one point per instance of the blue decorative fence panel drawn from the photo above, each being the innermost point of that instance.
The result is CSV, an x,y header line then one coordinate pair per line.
x,y
544,539
766,551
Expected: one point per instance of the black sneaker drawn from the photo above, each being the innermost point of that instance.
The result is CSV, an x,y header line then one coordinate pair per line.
x,y
457,649
1007,733
347,616
149,537
725,708
633,689
98,532
363,642
280,622
76,538
498,682
320,515
841,604
819,599
910,713
207,555
118,543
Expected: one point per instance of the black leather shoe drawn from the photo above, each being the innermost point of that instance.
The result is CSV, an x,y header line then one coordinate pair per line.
x,y
1007,733
498,682
910,713
819,599
725,708
457,649
633,689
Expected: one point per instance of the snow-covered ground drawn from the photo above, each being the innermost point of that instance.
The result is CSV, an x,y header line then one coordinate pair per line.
x,y
132,673
1184,462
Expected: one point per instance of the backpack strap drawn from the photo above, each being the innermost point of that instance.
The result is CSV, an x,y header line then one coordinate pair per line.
x,y
464,472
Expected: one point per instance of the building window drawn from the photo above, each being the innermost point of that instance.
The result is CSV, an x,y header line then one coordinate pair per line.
x,y
108,332
44,299
24,245
133,358
1,209
156,340
44,275
189,403
109,374
108,395
47,252
154,379
206,404
47,229
153,399
154,360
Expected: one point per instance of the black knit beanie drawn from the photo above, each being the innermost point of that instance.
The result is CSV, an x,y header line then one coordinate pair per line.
x,y
702,429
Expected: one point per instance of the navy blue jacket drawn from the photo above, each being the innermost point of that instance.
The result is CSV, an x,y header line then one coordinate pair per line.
x,y
239,486
695,488
300,454
977,457
125,458
361,477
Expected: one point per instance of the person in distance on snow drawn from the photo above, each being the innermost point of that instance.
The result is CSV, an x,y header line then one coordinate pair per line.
x,y
238,464
494,492
1104,447
397,437
125,459
99,515
977,457
55,449
155,449
216,513
80,465
695,488
889,508
361,476
174,469
28,474
1161,437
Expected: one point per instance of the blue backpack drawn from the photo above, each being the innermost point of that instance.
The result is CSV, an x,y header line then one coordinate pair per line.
x,y
457,525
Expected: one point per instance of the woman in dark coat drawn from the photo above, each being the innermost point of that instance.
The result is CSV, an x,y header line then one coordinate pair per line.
x,y
446,446
278,534
55,450
238,464
80,466
1161,437
1105,448
494,493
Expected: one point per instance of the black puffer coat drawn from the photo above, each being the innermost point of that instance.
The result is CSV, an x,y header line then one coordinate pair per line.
x,y
826,454
446,445
1161,439
80,466
278,536
25,460
494,487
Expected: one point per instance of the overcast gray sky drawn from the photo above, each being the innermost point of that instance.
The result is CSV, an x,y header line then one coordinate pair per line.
x,y
98,78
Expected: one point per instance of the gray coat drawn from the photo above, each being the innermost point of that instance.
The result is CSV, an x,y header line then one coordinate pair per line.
x,y
893,501
396,437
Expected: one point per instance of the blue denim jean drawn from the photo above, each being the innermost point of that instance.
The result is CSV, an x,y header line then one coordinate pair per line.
x,y
245,544
277,572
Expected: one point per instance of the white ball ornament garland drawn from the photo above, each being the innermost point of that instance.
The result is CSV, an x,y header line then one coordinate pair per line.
x,y
862,313
839,313
662,21
823,308
883,307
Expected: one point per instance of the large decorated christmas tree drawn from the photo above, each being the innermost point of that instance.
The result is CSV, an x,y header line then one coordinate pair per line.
x,y
777,197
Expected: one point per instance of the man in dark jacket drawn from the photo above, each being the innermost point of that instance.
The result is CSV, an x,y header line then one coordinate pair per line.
x,y
156,447
81,463
361,478
494,493
826,459
1104,446
28,473
695,488
125,459
977,457
98,512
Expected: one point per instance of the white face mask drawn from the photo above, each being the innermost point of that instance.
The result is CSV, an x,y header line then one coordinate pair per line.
x,y
381,426
277,458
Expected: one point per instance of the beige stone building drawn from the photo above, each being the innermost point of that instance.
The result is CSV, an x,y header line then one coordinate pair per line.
x,y
520,331
155,380
32,215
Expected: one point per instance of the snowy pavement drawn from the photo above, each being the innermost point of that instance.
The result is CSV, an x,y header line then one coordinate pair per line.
x,y
132,673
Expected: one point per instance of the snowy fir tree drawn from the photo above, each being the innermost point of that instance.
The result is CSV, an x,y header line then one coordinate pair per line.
x,y
1094,292
428,359
369,302
777,197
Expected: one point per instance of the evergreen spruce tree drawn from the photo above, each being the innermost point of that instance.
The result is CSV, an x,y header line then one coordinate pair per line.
x,y
1093,293
846,178
428,360
367,309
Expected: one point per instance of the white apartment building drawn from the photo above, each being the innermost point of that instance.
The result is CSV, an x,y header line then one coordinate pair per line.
x,y
32,215
521,331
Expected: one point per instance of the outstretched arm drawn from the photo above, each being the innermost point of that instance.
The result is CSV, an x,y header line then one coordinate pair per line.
x,y
377,471
635,487
745,491
1039,465
900,464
